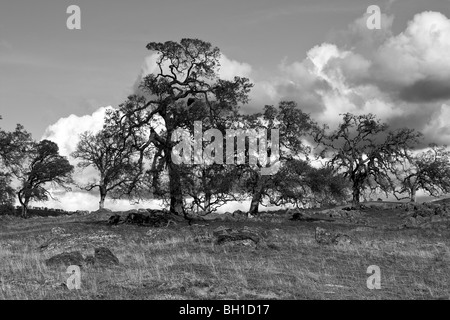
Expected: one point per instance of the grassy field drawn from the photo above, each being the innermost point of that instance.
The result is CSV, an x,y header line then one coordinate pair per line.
x,y
184,262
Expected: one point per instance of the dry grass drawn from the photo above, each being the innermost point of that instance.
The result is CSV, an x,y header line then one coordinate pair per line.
x,y
170,263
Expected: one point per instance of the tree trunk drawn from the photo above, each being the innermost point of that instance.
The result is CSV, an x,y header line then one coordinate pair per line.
x,y
176,196
257,195
254,205
356,195
413,194
101,204
25,208
207,202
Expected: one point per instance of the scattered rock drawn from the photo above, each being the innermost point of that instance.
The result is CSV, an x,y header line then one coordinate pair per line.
x,y
80,242
424,215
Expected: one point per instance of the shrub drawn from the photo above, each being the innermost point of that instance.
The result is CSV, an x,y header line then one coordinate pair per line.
x,y
7,209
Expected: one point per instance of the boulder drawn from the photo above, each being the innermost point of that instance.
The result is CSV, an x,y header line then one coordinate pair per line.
x,y
66,259
104,257
136,218
114,219
239,213
225,235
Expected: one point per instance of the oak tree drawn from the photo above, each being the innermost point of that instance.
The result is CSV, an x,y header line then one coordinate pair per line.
x,y
42,165
428,171
366,152
187,71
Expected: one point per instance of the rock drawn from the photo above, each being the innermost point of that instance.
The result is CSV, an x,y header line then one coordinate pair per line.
x,y
80,242
58,231
114,219
437,219
335,213
155,218
221,230
136,218
325,237
228,216
66,259
239,213
410,222
363,229
243,236
90,260
104,257
298,215
342,240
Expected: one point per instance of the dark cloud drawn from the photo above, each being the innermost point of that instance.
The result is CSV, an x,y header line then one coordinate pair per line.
x,y
426,90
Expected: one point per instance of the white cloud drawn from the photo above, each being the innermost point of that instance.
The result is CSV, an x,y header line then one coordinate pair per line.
x,y
230,68
65,132
418,53
403,79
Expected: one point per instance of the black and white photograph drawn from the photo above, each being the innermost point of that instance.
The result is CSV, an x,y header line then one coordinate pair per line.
x,y
225,157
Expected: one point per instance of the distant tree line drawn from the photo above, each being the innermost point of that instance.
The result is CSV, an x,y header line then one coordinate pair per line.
x,y
133,152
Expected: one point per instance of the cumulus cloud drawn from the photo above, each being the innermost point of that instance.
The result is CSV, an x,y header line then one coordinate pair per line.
x,y
65,132
416,62
404,79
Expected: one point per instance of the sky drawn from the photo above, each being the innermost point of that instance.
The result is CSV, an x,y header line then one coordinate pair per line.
x,y
58,82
